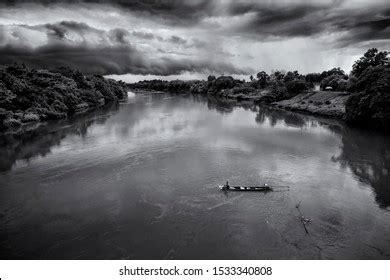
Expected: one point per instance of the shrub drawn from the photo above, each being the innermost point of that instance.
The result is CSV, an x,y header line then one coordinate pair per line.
x,y
295,87
30,117
12,123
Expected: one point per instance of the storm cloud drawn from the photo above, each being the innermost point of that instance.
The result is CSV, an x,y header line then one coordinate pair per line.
x,y
305,19
169,37
95,51
173,11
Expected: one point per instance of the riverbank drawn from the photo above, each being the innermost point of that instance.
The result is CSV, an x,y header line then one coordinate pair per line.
x,y
365,108
224,88
324,103
330,104
29,96
361,98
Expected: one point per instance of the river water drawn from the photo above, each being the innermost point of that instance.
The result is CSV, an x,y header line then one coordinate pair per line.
x,y
139,181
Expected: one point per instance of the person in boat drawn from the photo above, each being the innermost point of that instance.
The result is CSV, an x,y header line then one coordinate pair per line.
x,y
227,186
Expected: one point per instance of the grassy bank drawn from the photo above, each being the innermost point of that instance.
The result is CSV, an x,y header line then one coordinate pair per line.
x,y
325,103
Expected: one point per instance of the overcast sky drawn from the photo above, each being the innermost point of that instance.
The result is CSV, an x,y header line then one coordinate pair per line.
x,y
171,37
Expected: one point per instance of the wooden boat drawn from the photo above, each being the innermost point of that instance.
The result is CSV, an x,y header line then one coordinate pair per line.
x,y
264,188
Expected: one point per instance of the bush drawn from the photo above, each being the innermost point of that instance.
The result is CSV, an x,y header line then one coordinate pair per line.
x,y
295,87
210,78
30,117
224,82
12,123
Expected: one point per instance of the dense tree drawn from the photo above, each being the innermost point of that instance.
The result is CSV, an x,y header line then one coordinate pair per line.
x,y
296,86
335,71
32,95
313,78
290,76
277,75
370,104
263,79
371,58
224,82
210,78
335,81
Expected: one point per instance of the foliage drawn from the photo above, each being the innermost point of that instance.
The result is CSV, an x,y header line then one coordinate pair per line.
x,y
313,78
263,79
28,95
370,104
210,78
336,82
224,82
296,86
291,76
371,58
277,75
334,71
286,85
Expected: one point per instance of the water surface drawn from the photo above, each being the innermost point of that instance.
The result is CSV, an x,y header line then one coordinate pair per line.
x,y
139,181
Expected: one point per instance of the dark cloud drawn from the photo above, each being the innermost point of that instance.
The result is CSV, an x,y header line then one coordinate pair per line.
x,y
272,20
169,66
59,30
265,19
114,60
175,12
365,32
364,26
177,40
101,60
119,35
202,33
113,55
268,20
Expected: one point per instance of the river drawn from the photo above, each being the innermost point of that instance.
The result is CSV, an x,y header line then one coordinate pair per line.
x,y
138,180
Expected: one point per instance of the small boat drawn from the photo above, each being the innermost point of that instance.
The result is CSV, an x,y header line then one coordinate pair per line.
x,y
264,188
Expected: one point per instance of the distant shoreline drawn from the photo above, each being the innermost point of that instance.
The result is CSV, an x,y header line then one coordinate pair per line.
x,y
361,98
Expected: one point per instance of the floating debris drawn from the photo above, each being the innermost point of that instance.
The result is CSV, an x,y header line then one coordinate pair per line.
x,y
304,220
